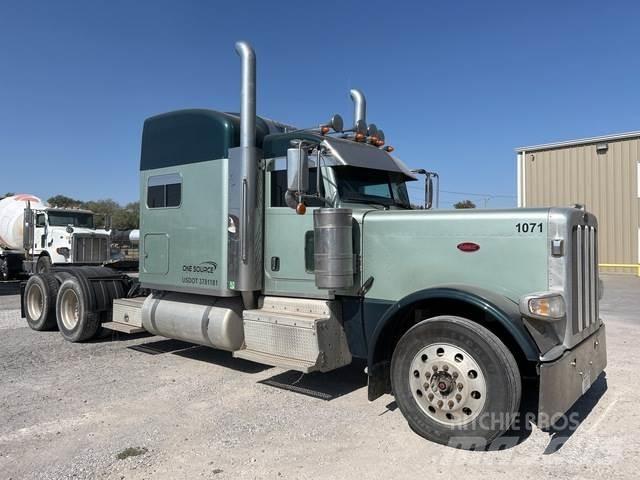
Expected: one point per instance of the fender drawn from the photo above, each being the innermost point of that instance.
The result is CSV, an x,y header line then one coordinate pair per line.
x,y
499,307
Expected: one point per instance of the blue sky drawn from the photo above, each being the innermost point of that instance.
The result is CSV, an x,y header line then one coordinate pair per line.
x,y
456,85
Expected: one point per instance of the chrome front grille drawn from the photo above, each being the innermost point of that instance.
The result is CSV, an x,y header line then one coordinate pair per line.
x,y
585,277
90,249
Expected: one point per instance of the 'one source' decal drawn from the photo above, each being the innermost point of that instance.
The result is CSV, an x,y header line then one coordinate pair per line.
x,y
204,268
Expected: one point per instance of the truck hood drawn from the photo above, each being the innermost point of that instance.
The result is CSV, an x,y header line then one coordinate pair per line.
x,y
410,250
60,234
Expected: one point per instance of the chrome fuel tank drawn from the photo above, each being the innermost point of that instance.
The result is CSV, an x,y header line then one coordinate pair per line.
x,y
210,321
333,243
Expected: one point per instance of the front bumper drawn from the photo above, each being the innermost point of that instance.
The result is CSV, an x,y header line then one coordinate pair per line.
x,y
565,380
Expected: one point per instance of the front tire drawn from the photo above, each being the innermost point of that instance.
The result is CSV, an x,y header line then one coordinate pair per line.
x,y
455,382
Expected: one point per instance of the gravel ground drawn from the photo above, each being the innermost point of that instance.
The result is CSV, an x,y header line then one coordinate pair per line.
x,y
145,407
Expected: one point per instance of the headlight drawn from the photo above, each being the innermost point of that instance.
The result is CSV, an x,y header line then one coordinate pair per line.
x,y
544,306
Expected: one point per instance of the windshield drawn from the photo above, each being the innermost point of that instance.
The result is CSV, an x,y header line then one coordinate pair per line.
x,y
76,219
365,185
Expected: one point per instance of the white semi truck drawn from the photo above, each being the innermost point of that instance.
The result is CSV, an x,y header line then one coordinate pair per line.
x,y
34,236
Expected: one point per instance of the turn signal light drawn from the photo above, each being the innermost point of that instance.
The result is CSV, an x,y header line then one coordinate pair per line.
x,y
389,149
360,137
551,307
379,143
324,130
301,209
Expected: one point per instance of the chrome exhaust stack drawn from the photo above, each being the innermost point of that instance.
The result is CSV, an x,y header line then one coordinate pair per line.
x,y
245,210
247,95
359,108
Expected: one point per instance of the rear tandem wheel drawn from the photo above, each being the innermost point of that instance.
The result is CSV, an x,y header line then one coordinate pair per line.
x,y
40,295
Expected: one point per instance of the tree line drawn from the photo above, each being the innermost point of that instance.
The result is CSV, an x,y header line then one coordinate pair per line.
x,y
123,217
464,204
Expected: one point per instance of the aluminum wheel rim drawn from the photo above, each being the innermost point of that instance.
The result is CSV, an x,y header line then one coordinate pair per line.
x,y
447,384
69,309
35,301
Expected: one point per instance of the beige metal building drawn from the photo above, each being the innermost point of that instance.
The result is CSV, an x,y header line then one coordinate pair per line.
x,y
602,173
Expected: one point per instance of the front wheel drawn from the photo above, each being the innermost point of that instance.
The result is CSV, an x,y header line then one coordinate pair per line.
x,y
455,381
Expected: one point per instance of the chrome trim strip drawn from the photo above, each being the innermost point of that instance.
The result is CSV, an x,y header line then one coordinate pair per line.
x,y
594,277
206,293
579,268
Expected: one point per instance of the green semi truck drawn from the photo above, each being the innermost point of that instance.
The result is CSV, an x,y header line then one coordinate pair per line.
x,y
299,248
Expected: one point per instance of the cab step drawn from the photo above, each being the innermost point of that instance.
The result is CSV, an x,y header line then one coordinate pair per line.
x,y
122,327
275,361
298,334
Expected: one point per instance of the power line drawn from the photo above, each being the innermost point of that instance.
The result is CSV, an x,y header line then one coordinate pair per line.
x,y
480,194
474,194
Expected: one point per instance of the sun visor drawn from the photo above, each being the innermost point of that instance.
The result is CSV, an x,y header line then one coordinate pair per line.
x,y
350,153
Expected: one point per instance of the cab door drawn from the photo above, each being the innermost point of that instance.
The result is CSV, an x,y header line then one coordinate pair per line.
x,y
41,232
288,246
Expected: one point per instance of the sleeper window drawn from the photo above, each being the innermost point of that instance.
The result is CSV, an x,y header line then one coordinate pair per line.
x,y
164,191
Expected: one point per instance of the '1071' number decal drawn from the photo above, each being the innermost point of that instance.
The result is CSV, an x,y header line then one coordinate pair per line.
x,y
529,227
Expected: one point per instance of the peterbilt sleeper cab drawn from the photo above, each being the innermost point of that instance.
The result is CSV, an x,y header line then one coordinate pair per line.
x,y
299,248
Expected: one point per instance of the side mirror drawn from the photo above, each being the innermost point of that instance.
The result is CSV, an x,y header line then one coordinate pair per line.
x,y
428,193
429,188
297,172
28,227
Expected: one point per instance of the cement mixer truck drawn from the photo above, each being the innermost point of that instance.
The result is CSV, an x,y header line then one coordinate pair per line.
x,y
35,236
299,248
